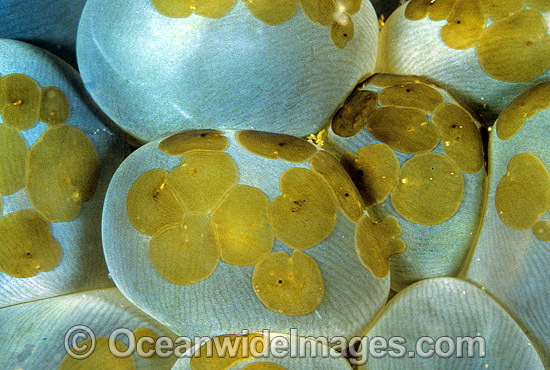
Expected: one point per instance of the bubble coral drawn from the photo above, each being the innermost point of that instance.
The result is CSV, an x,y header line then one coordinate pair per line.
x,y
287,275
57,154
272,66
255,224
486,52
416,155
511,255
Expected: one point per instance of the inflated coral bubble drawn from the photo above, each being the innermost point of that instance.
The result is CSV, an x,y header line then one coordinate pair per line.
x,y
500,45
511,258
98,311
57,154
279,66
419,160
422,310
244,228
